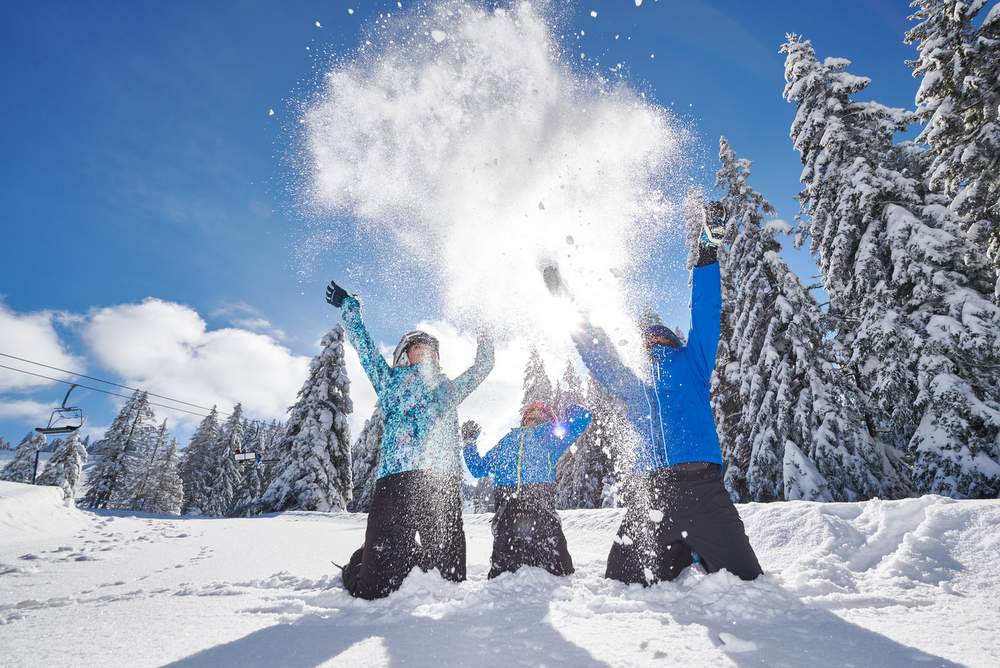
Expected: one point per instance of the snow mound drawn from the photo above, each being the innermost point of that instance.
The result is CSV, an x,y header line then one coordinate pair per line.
x,y
886,583
31,511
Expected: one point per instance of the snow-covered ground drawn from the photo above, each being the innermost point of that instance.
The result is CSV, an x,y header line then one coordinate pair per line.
x,y
898,583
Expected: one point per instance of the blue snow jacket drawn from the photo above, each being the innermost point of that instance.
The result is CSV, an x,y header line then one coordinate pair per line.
x,y
419,403
528,455
672,411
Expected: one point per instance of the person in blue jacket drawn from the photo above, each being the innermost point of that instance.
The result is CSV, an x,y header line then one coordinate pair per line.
x,y
415,517
526,528
687,513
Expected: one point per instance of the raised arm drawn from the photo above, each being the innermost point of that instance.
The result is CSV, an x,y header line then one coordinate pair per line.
x,y
566,432
599,356
480,466
374,364
706,311
468,381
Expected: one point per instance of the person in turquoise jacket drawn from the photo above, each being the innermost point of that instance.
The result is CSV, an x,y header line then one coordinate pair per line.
x,y
415,517
687,513
527,530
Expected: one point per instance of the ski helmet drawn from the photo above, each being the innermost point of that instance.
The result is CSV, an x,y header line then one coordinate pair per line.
x,y
409,339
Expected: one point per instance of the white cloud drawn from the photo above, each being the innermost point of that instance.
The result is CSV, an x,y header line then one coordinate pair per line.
x,y
244,316
32,336
24,409
167,348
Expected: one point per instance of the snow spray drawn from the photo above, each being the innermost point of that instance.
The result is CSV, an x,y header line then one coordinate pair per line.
x,y
464,138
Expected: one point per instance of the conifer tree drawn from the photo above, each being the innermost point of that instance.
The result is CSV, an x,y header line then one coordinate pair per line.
x,y
918,338
595,451
111,481
146,462
22,467
314,471
958,98
365,460
65,467
782,408
569,390
537,386
162,490
228,474
198,464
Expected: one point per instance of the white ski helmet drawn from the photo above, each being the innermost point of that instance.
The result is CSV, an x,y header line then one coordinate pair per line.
x,y
410,338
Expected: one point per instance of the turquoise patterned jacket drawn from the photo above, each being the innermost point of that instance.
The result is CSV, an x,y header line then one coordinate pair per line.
x,y
419,403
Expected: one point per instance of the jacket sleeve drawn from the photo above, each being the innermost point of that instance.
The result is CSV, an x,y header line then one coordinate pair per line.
x,y
576,422
468,381
706,312
599,356
480,466
374,364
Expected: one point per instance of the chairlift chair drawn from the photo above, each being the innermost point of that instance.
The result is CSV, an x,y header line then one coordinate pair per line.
x,y
63,420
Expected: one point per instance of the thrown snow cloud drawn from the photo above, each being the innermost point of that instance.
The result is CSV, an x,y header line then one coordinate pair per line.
x,y
483,156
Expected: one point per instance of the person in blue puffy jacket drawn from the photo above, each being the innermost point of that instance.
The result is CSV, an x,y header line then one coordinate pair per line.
x,y
415,517
687,514
527,530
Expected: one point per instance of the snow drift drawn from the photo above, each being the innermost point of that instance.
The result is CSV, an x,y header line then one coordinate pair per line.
x,y
465,143
886,583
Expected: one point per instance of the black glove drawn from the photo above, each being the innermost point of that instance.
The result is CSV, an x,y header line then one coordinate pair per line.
x,y
470,431
335,295
553,280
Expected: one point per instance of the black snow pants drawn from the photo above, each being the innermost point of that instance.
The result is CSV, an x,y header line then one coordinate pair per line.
x,y
527,531
415,519
688,511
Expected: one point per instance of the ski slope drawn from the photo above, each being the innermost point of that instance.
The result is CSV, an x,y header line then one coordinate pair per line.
x,y
900,583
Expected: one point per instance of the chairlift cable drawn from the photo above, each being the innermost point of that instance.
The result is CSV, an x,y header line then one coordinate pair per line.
x,y
113,394
106,382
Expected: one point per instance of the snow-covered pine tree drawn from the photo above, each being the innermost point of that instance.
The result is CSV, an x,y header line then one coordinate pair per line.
x,y
22,467
228,472
252,483
145,464
921,342
65,467
789,421
198,466
314,471
164,490
596,450
364,461
569,390
958,98
537,386
51,446
4,444
112,480
270,438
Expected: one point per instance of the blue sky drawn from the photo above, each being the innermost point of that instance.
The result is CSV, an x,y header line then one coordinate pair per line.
x,y
140,159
